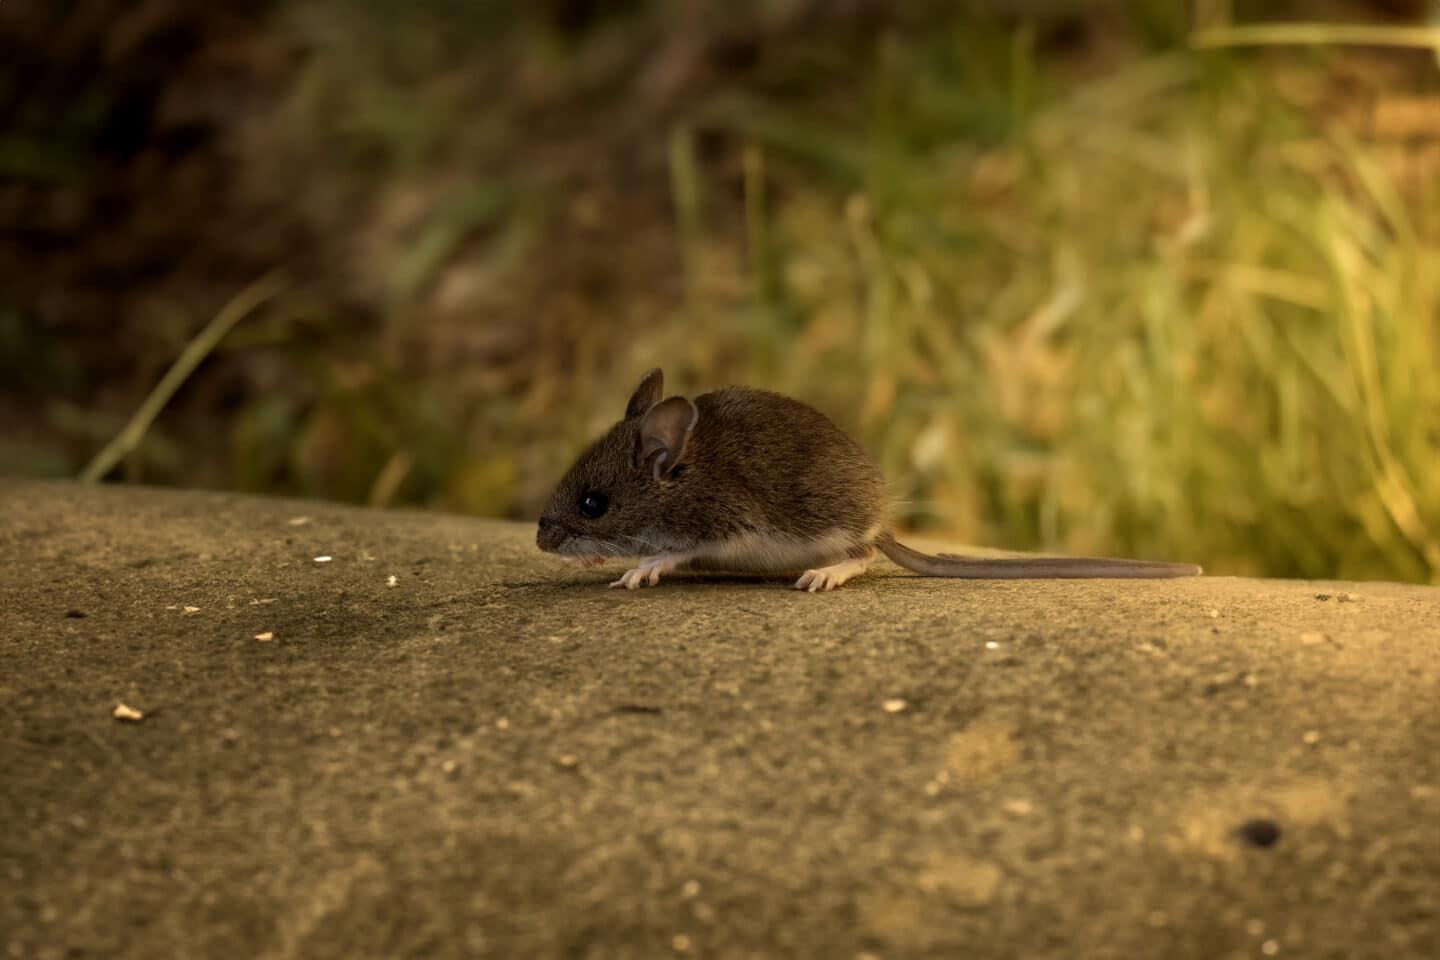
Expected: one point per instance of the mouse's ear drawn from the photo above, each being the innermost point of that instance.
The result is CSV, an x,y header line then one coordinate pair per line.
x,y
664,431
651,389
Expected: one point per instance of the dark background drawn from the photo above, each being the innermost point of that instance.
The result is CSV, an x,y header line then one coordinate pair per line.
x,y
1084,277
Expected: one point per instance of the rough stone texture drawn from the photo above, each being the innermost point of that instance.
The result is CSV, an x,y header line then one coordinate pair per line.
x,y
497,756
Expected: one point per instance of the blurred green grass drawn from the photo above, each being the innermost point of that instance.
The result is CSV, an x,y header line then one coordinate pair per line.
x,y
1169,315
1140,299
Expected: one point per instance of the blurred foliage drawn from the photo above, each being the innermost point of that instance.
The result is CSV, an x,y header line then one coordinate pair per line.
x,y
1076,285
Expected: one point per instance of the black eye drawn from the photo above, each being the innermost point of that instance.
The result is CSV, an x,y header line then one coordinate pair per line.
x,y
593,504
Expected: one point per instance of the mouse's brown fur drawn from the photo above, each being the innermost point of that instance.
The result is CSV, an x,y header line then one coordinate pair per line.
x,y
756,463
750,480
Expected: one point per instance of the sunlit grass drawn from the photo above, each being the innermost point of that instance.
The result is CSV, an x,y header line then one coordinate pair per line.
x,y
1159,306
1169,316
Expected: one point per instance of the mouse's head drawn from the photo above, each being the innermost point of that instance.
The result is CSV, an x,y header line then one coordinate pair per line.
x,y
612,493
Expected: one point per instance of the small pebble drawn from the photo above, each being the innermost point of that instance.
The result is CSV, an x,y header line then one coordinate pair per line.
x,y
298,521
326,559
448,766
189,610
392,581
123,712
1270,948
569,760
1311,737
1260,832
680,942
502,724
265,637
991,645
690,890
894,705
1019,806
1212,613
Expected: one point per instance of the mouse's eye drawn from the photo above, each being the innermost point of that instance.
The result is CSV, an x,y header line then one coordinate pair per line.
x,y
593,504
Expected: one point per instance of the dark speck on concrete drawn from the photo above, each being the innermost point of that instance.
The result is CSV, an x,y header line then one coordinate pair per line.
x,y
1260,832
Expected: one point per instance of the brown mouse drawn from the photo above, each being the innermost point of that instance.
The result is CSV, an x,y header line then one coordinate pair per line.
x,y
748,480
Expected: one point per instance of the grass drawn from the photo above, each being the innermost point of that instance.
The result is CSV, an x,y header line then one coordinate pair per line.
x,y
127,440
1172,315
1183,307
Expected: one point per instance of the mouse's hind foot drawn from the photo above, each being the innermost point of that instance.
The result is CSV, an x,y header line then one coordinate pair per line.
x,y
828,578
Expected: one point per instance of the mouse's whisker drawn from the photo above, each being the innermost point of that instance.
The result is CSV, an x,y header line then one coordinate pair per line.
x,y
615,550
649,548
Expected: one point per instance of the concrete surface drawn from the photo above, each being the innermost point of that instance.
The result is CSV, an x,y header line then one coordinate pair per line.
x,y
498,756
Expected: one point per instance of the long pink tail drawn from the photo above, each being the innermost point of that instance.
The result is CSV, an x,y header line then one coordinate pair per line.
x,y
1028,568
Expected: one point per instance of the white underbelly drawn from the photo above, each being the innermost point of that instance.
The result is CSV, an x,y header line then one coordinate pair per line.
x,y
759,552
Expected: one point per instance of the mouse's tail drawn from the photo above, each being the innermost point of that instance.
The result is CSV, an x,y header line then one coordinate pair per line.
x,y
1027,568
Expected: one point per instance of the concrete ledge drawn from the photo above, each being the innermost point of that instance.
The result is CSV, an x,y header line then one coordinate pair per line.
x,y
497,756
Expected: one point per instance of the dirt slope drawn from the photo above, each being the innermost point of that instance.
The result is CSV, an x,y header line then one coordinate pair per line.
x,y
496,756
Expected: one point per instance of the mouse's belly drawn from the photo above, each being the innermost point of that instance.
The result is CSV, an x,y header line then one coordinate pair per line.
x,y
775,553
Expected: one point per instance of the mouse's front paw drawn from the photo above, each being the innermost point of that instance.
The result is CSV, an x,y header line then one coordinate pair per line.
x,y
639,577
647,573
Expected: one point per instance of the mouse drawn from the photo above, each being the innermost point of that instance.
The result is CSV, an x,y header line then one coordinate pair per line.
x,y
751,481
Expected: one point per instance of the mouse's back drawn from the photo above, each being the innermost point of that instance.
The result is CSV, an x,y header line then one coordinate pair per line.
x,y
780,466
